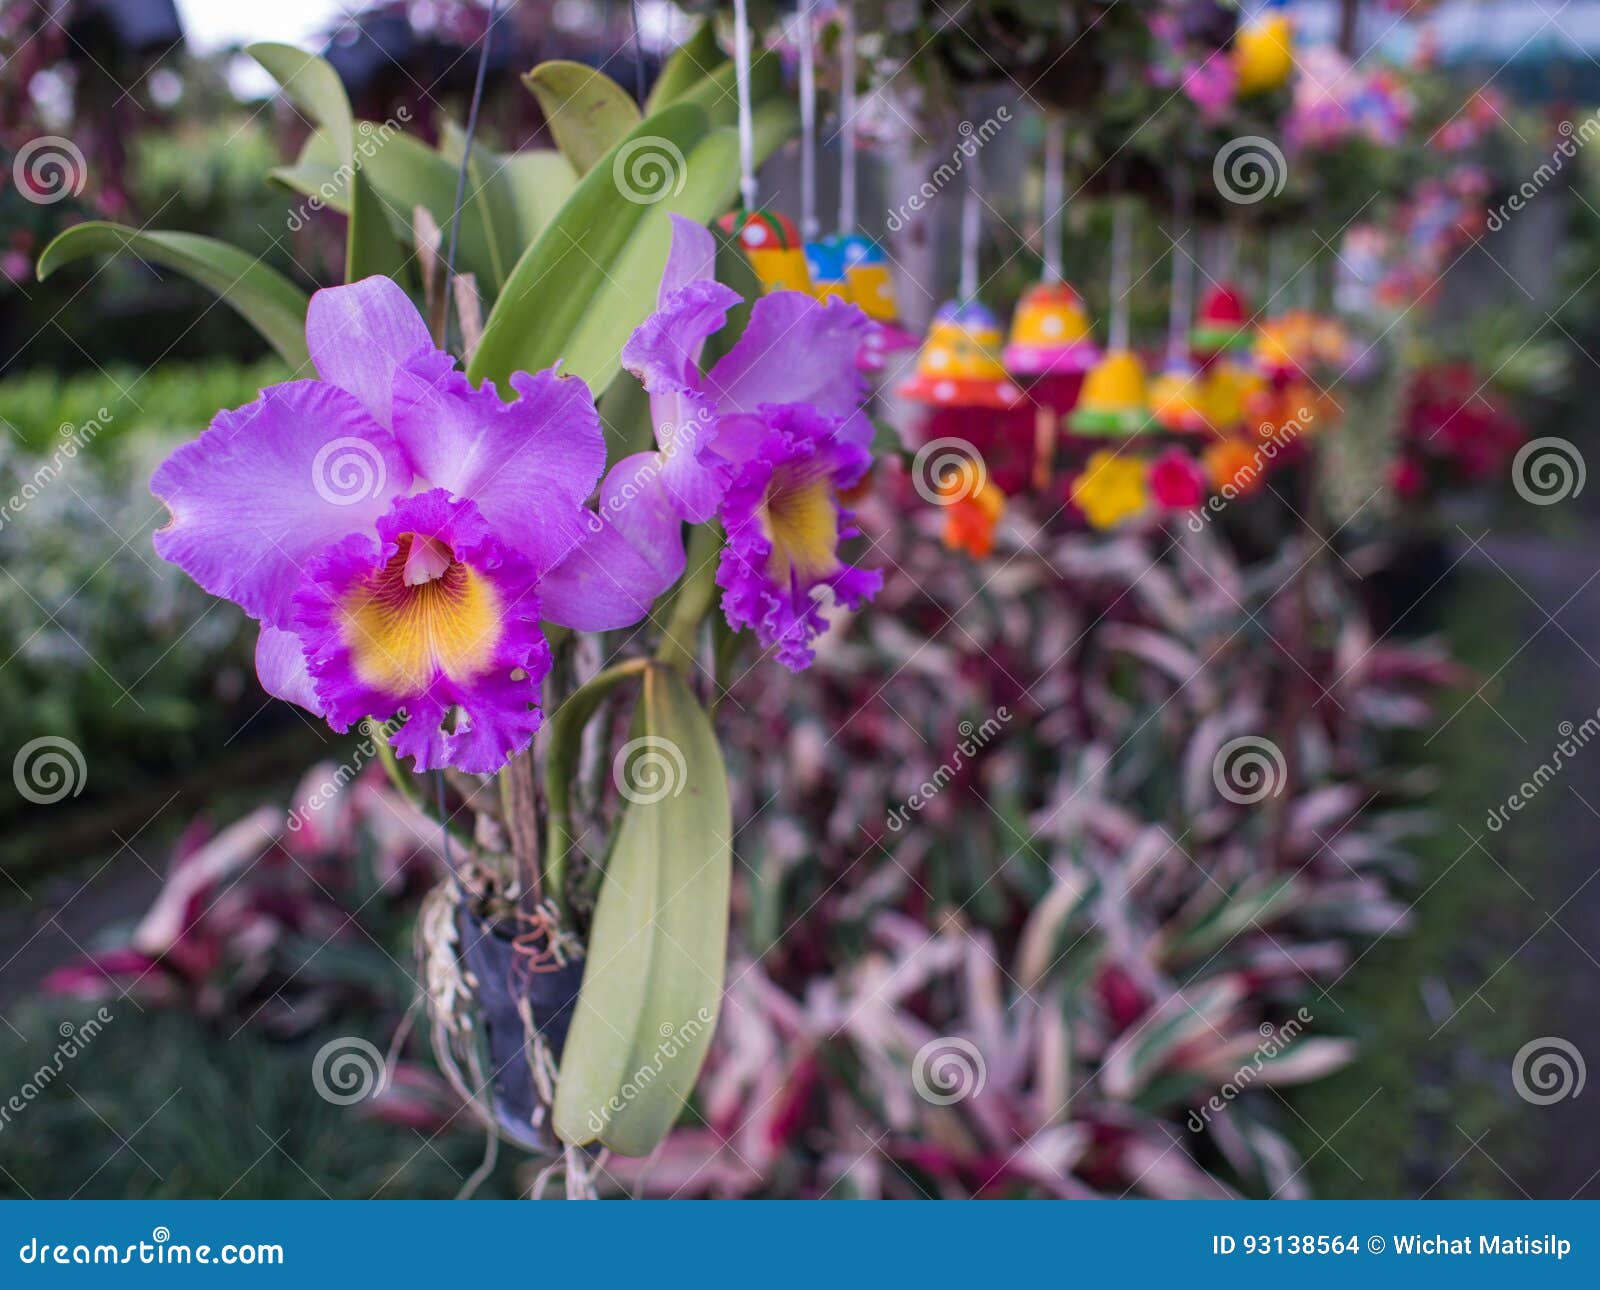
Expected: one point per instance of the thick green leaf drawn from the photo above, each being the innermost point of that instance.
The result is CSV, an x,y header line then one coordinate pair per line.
x,y
773,116
313,85
587,111
268,301
591,277
653,985
693,61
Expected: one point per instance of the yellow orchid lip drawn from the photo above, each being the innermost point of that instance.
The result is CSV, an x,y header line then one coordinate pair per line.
x,y
801,519
423,613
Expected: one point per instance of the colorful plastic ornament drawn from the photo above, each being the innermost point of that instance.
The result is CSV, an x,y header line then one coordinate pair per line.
x,y
1113,400
1229,390
1223,325
973,506
1113,488
959,366
1263,55
1050,333
866,268
772,245
1178,400
869,286
825,265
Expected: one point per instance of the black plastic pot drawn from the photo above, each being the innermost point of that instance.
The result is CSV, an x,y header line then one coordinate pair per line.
x,y
503,982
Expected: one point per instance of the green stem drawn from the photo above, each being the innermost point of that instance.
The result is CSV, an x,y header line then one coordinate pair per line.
x,y
697,591
565,739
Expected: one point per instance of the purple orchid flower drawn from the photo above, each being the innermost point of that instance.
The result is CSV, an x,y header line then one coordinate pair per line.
x,y
400,534
766,440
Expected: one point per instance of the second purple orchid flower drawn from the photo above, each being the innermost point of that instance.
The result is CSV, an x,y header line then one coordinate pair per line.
x,y
400,534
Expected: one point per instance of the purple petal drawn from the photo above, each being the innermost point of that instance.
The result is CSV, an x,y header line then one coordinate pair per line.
x,y
529,466
281,668
795,350
664,350
632,553
270,485
781,606
692,257
359,334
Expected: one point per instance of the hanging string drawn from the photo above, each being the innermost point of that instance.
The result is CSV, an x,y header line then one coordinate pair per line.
x,y
1182,271
810,226
466,144
1055,192
1121,257
970,215
747,136
847,117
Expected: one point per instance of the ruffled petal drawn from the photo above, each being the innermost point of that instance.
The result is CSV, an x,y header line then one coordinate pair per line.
x,y
632,552
664,350
771,589
529,466
468,686
795,349
281,668
270,485
358,334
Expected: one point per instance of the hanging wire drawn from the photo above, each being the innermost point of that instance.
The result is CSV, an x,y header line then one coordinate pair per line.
x,y
747,137
847,117
810,226
970,215
1121,256
466,147
638,54
1055,192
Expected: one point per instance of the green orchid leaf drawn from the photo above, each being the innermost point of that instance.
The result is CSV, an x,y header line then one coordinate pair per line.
x,y
587,111
697,58
314,87
652,987
578,292
266,299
